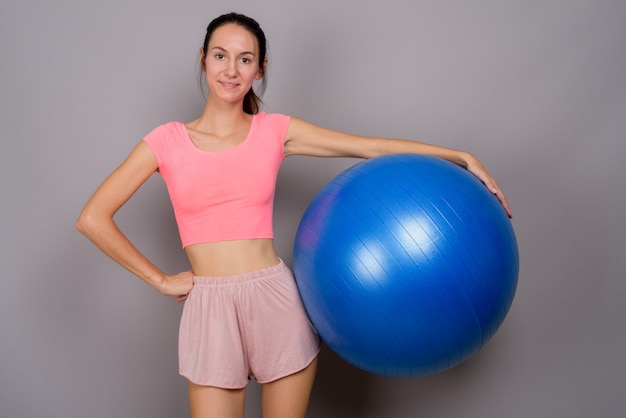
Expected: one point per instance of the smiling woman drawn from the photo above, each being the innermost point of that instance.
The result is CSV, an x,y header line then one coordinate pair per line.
x,y
256,56
243,316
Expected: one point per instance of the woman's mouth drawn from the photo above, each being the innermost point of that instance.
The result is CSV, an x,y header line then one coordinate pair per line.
x,y
229,86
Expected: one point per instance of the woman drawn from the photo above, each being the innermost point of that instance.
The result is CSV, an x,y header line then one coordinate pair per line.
x,y
242,315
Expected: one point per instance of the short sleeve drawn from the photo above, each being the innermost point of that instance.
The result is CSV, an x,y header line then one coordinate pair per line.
x,y
159,141
279,125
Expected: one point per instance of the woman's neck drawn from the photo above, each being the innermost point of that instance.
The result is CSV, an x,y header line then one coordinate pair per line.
x,y
221,119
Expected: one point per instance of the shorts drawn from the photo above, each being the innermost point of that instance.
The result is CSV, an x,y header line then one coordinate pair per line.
x,y
250,324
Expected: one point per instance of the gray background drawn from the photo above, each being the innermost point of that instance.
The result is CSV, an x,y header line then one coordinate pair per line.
x,y
536,89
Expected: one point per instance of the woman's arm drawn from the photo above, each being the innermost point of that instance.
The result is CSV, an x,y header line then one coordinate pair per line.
x,y
96,223
304,138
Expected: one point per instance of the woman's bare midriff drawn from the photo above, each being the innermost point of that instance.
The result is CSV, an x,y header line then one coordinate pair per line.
x,y
227,258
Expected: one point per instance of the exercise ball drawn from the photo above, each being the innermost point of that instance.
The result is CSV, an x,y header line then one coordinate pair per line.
x,y
406,264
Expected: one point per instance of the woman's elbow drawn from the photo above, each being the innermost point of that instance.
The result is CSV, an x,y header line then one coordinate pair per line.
x,y
82,223
86,223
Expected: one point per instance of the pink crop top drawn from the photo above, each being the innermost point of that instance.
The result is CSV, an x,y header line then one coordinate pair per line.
x,y
224,195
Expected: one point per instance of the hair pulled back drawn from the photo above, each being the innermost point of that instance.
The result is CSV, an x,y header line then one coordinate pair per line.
x,y
251,101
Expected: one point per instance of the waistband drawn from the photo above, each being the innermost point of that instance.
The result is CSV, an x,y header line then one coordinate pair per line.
x,y
249,276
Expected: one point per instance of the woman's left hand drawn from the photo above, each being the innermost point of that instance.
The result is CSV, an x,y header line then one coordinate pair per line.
x,y
474,166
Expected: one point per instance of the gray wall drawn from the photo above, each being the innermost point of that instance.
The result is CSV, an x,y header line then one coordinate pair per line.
x,y
536,89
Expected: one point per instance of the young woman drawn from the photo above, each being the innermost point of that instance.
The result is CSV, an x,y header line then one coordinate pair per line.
x,y
242,315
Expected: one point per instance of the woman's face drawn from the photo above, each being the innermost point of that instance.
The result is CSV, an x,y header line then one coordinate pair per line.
x,y
231,63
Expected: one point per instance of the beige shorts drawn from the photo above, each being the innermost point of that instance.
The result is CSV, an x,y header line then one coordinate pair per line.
x,y
252,324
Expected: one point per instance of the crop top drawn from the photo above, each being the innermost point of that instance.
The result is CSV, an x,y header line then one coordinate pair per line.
x,y
222,195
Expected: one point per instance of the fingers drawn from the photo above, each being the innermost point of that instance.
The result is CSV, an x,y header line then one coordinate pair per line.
x,y
504,203
493,188
179,285
476,168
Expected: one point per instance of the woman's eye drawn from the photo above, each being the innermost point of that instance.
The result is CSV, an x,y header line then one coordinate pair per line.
x,y
246,60
219,56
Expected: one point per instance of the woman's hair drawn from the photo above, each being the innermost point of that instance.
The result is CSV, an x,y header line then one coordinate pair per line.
x,y
252,101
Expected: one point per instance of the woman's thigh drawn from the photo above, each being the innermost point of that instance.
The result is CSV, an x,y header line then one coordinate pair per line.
x,y
213,402
289,396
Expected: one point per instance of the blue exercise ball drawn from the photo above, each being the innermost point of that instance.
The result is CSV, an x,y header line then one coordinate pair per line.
x,y
406,264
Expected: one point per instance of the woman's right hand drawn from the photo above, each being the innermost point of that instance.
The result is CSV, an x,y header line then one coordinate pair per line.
x,y
178,285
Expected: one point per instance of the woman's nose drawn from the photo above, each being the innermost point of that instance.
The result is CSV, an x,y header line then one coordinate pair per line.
x,y
231,68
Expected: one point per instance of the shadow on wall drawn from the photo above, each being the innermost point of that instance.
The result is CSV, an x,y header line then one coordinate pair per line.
x,y
342,390
342,385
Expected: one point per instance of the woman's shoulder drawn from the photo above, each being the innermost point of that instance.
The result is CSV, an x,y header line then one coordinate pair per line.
x,y
168,127
274,125
273,119
166,137
165,131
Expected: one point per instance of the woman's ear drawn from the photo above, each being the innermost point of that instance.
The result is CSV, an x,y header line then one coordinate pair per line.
x,y
202,60
261,72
